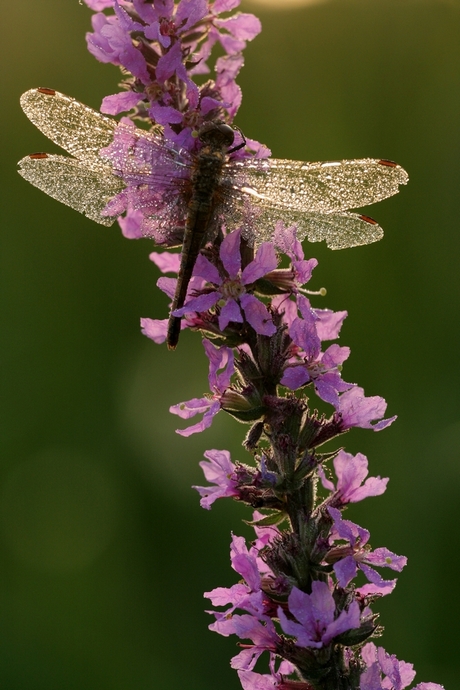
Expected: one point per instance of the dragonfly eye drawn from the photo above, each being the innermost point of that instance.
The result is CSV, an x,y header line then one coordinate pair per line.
x,y
217,133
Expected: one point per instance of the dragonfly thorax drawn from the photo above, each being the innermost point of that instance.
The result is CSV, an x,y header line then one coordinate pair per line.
x,y
216,134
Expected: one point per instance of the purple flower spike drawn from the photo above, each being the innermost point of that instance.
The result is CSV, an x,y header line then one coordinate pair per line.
x,y
187,177
163,45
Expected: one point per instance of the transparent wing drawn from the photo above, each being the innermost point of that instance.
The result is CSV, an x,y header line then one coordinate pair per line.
x,y
83,132
73,183
314,196
78,129
339,230
255,193
321,187
88,181
142,157
164,222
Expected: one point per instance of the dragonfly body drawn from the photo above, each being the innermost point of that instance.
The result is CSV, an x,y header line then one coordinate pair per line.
x,y
186,197
204,184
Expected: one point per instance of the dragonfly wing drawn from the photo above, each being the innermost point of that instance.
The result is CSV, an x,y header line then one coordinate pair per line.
x,y
167,225
74,183
78,129
322,187
83,132
338,230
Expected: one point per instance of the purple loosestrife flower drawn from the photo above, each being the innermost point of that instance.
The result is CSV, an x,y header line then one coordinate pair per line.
x,y
219,470
228,286
111,42
246,595
307,331
273,681
285,239
385,672
239,481
317,624
351,472
263,635
247,563
221,369
309,364
354,409
359,555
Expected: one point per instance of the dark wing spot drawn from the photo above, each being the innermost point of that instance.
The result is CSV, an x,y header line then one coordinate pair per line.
x,y
368,219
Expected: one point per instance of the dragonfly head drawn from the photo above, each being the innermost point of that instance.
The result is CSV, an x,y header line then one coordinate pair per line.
x,y
217,134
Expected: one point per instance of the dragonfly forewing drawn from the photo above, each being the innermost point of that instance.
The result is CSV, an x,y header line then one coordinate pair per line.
x,y
320,187
78,129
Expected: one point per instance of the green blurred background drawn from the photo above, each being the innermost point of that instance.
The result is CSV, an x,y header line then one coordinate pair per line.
x,y
105,551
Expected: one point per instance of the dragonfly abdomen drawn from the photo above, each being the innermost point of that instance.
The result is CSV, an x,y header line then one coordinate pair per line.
x,y
205,180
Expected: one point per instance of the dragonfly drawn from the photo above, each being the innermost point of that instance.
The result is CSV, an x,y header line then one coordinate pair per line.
x,y
188,198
